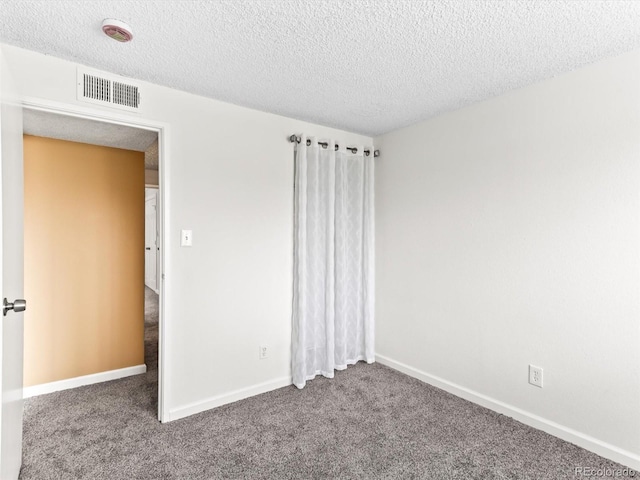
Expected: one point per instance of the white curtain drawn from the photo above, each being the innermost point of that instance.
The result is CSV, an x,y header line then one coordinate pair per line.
x,y
333,298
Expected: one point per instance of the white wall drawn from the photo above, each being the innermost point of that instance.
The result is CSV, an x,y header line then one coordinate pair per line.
x,y
230,180
508,233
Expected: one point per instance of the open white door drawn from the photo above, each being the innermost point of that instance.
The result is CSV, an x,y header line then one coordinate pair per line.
x,y
151,240
11,283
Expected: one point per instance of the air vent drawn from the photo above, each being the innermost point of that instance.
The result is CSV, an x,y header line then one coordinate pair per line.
x,y
126,95
108,91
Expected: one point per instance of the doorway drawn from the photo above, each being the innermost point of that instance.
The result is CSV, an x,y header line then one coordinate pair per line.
x,y
96,129
151,270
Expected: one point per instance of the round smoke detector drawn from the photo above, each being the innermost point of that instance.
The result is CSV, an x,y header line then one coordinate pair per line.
x,y
117,30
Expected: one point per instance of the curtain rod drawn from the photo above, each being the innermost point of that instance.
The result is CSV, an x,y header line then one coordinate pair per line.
x,y
293,138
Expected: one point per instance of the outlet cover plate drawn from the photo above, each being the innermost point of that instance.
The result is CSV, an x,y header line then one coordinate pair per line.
x,y
264,352
535,376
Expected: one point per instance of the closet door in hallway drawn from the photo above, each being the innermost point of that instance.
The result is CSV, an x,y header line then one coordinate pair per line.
x,y
151,240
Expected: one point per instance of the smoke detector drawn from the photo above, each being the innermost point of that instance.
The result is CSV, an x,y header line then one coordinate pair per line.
x,y
117,30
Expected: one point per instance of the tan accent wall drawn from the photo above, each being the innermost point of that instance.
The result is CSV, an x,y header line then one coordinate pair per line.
x,y
84,259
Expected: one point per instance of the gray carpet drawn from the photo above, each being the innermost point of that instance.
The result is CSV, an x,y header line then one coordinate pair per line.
x,y
151,336
369,422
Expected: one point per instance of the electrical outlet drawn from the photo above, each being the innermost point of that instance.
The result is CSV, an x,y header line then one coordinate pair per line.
x,y
264,352
535,376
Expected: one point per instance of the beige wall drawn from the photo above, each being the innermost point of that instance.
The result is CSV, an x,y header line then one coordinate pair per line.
x,y
151,177
84,259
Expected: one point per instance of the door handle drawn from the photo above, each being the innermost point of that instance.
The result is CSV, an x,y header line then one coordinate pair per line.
x,y
147,248
16,306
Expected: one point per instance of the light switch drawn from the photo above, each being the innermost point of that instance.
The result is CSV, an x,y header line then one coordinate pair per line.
x,y
186,239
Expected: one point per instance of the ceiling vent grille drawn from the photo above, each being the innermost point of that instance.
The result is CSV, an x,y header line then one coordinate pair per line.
x,y
96,88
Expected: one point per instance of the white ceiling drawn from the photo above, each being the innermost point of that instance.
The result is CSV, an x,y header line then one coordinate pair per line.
x,y
368,66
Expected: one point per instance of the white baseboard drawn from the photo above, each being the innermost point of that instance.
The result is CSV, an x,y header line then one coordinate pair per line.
x,y
234,396
587,442
81,381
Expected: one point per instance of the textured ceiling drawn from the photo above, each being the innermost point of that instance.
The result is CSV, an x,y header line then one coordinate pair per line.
x,y
62,127
368,66
152,156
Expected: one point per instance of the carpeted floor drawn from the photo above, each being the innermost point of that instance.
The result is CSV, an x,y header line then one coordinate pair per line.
x,y
151,336
369,422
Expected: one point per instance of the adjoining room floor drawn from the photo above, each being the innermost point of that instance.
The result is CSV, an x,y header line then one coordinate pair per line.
x,y
151,331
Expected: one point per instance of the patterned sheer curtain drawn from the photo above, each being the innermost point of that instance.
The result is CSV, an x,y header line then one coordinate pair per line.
x,y
333,298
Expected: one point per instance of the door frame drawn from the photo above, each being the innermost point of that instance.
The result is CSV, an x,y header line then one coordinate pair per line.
x,y
162,129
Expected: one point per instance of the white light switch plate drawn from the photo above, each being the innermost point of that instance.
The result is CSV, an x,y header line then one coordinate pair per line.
x,y
186,238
